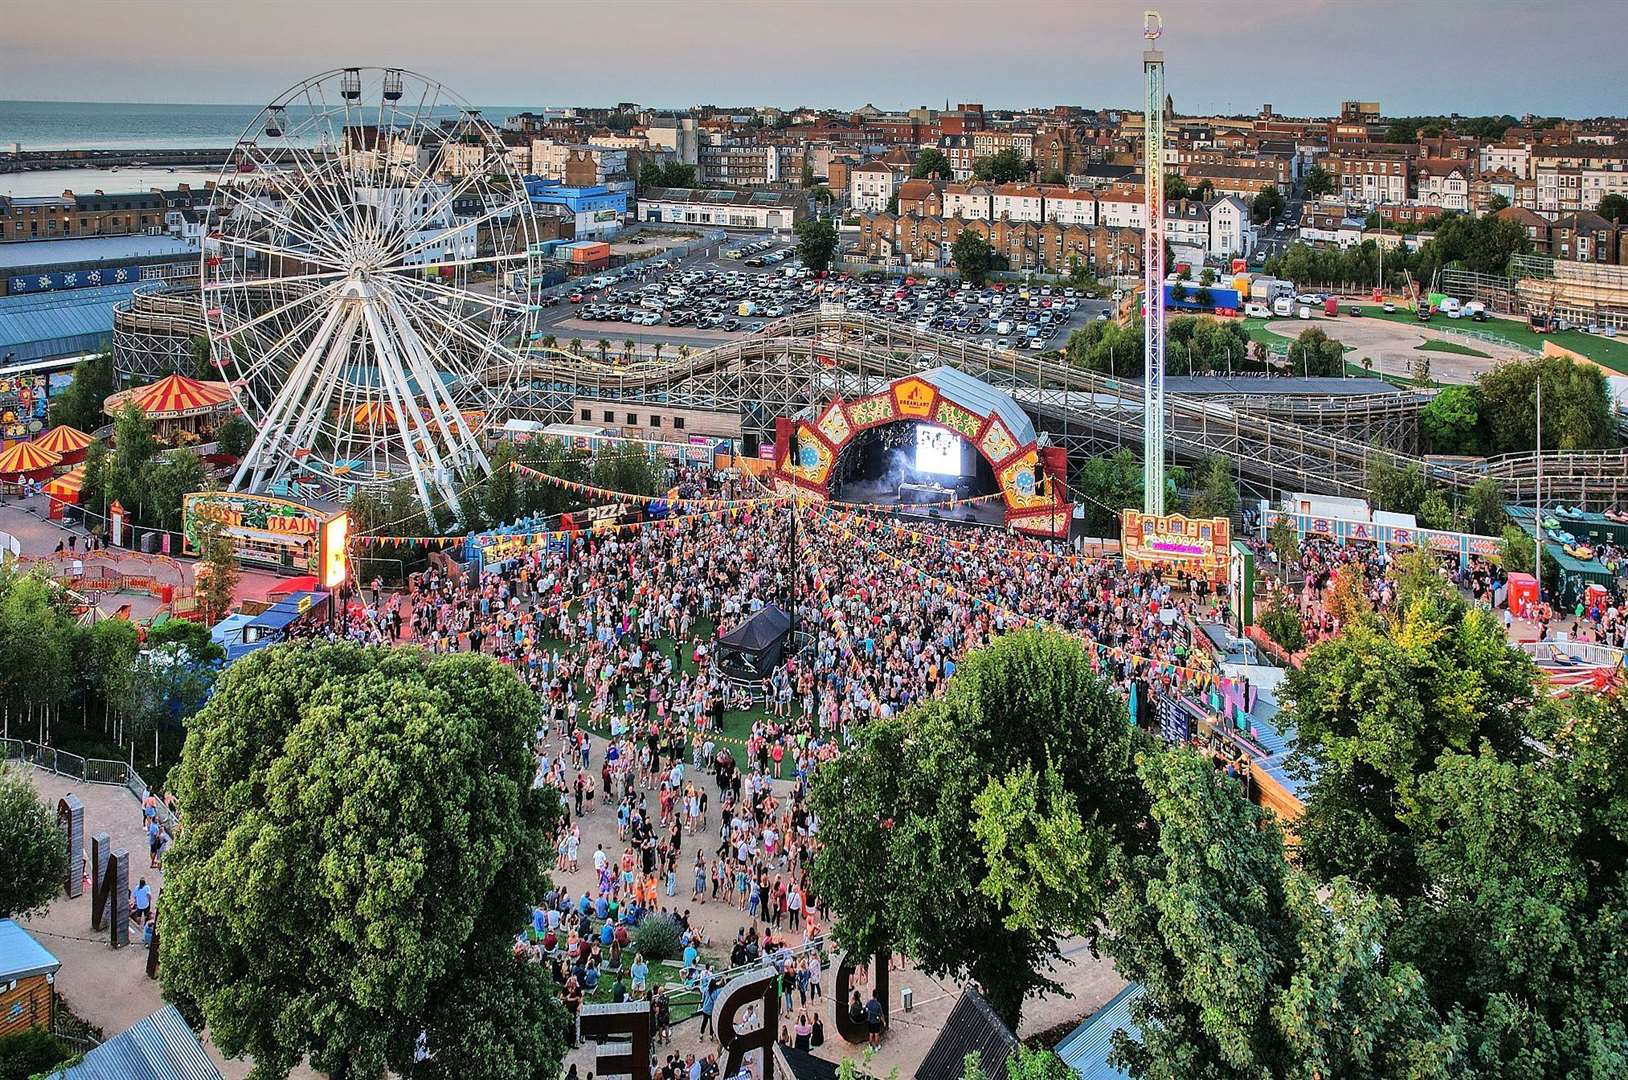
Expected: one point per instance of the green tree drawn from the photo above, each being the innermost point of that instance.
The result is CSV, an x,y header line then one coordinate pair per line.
x,y
1314,354
1613,207
217,574
1399,489
627,468
1266,206
361,840
1053,176
816,243
93,489
1284,540
1484,507
931,164
1496,203
973,256
1106,485
806,175
113,645
1216,493
1577,410
39,640
33,859
234,436
1374,708
500,494
190,636
1450,421
1518,553
1175,186
940,827
164,480
1281,622
1319,181
80,405
134,445
1001,167
1249,969
202,367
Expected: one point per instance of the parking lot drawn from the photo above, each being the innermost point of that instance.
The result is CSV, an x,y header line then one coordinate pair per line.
x,y
706,300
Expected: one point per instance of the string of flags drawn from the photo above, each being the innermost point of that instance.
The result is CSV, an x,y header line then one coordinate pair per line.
x,y
580,488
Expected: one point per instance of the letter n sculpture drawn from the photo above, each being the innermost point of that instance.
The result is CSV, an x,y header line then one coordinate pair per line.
x,y
110,890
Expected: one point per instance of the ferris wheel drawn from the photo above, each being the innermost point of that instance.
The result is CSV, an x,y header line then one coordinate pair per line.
x,y
370,256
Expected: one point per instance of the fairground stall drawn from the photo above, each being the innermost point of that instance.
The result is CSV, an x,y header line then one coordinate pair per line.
x,y
264,530
1200,548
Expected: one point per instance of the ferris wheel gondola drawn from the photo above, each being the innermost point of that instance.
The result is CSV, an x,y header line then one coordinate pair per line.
x,y
347,272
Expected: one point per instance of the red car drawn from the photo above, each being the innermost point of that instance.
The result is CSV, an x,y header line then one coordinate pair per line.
x,y
576,298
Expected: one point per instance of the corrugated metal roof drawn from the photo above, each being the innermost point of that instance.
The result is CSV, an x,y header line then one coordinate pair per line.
x,y
88,249
158,1047
1086,1048
971,1028
22,956
977,394
31,321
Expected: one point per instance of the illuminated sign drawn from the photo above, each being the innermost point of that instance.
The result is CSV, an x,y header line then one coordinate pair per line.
x,y
1198,545
334,535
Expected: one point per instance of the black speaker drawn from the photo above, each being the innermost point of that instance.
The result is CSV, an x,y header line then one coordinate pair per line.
x,y
749,444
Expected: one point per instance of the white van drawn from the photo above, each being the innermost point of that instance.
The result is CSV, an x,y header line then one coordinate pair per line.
x,y
1003,328
1303,313
1451,308
1257,311
1283,306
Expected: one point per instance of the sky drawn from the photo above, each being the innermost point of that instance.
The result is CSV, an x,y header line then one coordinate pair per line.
x,y
1226,56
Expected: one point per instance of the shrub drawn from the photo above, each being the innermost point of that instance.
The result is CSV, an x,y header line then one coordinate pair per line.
x,y
657,938
1282,624
26,1053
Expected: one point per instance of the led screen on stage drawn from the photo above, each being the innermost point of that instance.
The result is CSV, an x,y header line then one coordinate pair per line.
x,y
938,452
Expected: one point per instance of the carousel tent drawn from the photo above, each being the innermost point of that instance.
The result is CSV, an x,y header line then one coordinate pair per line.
x,y
27,461
752,649
70,442
64,490
172,398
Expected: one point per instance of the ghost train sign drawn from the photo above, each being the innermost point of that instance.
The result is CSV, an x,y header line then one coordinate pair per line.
x,y
746,1016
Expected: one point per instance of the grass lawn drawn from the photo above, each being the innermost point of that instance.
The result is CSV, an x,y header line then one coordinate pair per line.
x,y
1257,331
1443,345
1604,351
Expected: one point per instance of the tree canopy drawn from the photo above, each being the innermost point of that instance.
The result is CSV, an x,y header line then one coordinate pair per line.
x,y
931,164
816,243
360,842
33,859
1001,167
1314,354
80,405
973,831
973,256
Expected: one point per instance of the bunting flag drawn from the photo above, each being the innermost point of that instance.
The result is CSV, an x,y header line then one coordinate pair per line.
x,y
626,496
941,504
411,541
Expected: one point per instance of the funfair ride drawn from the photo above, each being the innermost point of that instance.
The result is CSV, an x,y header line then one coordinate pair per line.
x,y
1153,403
369,255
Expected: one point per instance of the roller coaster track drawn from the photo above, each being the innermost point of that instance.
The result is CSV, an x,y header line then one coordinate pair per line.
x,y
800,363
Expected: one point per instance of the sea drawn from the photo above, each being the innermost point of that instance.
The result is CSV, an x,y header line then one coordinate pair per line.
x,y
104,125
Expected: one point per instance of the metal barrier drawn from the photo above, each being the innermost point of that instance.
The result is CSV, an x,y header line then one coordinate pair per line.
x,y
88,770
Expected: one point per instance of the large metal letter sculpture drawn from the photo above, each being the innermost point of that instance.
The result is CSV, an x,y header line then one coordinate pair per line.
x,y
857,1033
753,988
631,1018
110,889
71,820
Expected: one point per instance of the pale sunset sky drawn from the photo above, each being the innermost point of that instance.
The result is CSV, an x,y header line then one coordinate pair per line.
x,y
1303,56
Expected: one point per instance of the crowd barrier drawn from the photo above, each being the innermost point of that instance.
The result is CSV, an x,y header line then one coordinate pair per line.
x,y
89,770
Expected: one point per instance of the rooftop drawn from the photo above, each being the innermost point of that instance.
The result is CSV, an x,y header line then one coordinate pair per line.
x,y
89,249
22,956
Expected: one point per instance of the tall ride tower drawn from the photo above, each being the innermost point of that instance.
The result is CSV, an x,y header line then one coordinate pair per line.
x,y
1153,411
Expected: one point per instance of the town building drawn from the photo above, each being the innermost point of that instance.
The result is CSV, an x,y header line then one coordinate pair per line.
x,y
1121,209
595,212
1070,206
1372,173
871,186
588,164
777,210
1445,182
973,202
1019,202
